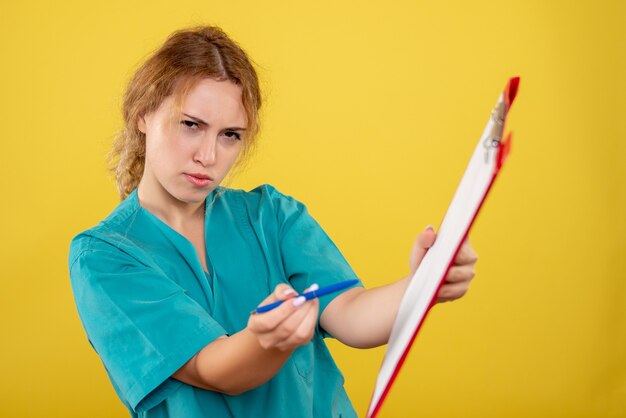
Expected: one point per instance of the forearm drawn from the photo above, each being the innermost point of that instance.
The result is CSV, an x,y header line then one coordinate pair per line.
x,y
233,365
364,318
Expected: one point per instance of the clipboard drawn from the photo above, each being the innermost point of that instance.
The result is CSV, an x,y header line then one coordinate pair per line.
x,y
487,160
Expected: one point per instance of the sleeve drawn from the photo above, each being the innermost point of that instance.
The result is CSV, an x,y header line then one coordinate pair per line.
x,y
309,255
141,323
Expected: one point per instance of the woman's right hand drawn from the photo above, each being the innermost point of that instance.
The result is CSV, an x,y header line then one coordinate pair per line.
x,y
288,326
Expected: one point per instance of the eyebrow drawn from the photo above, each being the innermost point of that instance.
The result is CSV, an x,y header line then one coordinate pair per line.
x,y
234,128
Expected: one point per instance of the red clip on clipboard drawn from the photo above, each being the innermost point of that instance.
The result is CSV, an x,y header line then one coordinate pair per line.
x,y
485,164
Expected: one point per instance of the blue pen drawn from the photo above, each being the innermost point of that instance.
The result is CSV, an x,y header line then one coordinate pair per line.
x,y
335,287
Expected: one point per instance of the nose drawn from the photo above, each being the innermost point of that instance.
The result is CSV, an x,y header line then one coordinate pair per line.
x,y
206,153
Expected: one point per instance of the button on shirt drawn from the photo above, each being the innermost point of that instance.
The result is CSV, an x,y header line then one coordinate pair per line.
x,y
148,306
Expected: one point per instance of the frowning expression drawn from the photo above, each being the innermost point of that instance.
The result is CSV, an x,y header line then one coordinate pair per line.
x,y
188,154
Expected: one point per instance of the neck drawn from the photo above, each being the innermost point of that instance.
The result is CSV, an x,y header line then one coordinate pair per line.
x,y
177,214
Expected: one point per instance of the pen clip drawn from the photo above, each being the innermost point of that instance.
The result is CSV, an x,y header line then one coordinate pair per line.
x,y
494,136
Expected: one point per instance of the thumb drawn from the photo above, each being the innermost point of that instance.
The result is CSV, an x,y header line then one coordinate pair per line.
x,y
423,242
281,292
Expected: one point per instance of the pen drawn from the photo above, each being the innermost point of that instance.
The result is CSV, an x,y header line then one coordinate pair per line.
x,y
335,287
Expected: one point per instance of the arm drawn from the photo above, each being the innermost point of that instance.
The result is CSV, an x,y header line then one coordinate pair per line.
x,y
251,357
364,318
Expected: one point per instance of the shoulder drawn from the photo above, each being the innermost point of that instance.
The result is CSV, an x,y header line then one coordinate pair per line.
x,y
108,234
262,191
269,204
268,195
92,249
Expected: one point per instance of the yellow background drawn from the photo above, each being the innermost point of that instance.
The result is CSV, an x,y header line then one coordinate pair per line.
x,y
371,113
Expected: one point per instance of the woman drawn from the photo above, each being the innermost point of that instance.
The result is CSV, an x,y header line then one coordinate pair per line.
x,y
164,285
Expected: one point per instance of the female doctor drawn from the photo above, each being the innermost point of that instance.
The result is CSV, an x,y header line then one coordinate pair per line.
x,y
164,285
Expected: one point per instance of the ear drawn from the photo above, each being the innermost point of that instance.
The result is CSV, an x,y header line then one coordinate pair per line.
x,y
141,124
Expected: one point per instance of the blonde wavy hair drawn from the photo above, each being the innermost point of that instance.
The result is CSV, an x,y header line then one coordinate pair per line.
x,y
187,56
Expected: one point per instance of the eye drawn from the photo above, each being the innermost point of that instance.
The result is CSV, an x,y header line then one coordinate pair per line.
x,y
233,134
189,124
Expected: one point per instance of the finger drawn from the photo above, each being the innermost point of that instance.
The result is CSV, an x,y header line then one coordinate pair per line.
x,y
422,243
452,291
283,330
288,327
466,254
290,324
268,321
305,329
458,274
281,292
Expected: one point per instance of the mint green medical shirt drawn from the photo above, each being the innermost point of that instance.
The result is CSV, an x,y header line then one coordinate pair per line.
x,y
148,306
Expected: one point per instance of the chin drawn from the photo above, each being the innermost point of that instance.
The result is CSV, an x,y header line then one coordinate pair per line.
x,y
187,195
194,197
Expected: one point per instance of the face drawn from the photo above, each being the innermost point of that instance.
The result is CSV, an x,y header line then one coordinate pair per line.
x,y
189,154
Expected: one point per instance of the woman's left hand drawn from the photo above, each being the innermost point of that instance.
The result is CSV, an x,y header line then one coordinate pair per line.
x,y
460,274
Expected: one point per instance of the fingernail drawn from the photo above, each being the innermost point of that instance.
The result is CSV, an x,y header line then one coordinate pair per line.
x,y
288,292
313,287
298,301
430,227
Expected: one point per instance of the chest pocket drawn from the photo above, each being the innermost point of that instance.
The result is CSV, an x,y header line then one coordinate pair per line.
x,y
303,358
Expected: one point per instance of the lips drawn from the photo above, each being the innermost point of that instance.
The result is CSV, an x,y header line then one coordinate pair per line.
x,y
200,176
198,179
